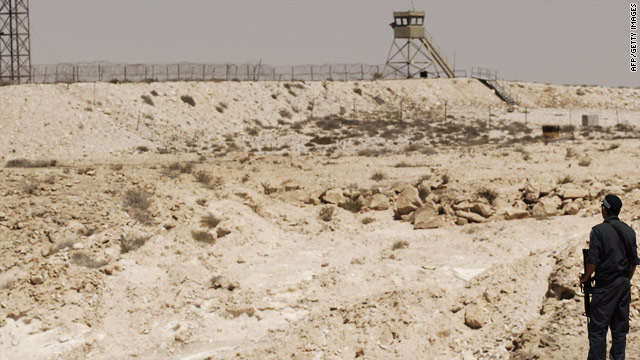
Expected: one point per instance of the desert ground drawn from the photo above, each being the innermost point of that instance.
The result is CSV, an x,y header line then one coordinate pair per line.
x,y
414,219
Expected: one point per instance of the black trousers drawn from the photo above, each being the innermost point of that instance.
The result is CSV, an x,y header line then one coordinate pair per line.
x,y
610,309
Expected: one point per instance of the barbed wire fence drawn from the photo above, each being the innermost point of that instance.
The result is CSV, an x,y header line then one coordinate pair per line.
x,y
73,73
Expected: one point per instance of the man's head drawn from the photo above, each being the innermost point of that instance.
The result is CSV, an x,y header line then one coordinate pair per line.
x,y
611,206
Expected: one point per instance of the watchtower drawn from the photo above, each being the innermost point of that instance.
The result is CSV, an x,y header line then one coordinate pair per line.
x,y
415,53
15,42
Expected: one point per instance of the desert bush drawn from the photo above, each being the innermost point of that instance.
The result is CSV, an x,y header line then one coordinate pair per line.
x,y
220,109
357,91
188,99
154,93
368,220
286,114
566,179
570,153
210,221
399,244
84,260
253,131
116,167
147,100
201,202
268,189
428,150
137,199
488,194
203,236
613,146
351,205
378,176
322,140
326,213
183,168
584,162
423,193
413,147
132,243
445,179
24,163
203,177
142,148
30,185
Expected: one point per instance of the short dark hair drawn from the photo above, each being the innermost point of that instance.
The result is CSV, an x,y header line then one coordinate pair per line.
x,y
612,212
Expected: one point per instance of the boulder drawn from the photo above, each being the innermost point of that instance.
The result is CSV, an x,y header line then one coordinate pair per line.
x,y
574,193
462,221
472,217
516,213
482,209
572,208
379,202
474,317
546,207
531,192
408,201
463,205
426,217
334,196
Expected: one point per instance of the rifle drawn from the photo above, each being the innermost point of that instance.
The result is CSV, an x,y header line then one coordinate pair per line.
x,y
586,288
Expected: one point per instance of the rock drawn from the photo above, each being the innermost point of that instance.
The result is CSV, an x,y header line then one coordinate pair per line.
x,y
334,196
572,208
37,280
482,209
474,317
222,232
426,217
75,227
379,202
408,201
531,193
574,193
515,213
463,205
546,187
408,217
472,217
546,207
462,221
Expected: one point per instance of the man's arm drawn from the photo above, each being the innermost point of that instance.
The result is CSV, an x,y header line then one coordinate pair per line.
x,y
590,269
631,271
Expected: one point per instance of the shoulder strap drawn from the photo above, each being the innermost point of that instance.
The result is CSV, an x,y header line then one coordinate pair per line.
x,y
627,250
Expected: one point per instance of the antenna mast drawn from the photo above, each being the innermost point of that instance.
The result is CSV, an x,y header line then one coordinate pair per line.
x,y
15,42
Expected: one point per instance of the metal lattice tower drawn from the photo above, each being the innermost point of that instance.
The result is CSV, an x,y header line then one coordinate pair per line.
x,y
415,53
15,42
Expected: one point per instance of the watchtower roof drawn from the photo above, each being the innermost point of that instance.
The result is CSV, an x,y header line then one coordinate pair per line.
x,y
408,14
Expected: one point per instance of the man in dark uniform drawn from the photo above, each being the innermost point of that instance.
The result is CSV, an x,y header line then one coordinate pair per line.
x,y
613,257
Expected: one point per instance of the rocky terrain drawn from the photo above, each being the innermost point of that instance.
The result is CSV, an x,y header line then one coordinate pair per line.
x,y
325,220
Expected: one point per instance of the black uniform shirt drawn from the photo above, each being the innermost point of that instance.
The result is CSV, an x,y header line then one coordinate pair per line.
x,y
608,253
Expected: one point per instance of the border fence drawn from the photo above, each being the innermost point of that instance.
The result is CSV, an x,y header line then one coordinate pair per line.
x,y
104,72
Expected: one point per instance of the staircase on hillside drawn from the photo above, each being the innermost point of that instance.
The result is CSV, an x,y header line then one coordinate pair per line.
x,y
489,78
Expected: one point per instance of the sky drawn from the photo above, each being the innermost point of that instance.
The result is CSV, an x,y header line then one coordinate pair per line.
x,y
560,42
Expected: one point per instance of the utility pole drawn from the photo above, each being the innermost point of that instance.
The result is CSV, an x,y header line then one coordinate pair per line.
x,y
15,42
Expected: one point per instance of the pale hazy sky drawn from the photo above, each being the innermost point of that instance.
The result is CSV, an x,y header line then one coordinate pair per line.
x,y
563,42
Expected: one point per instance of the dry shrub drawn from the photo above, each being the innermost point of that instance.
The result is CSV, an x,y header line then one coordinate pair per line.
x,y
413,147
613,146
400,244
326,213
428,150
137,199
584,162
147,99
188,99
567,179
142,148
210,221
201,202
368,220
30,185
177,167
154,93
352,205
132,243
203,236
378,176
570,153
357,91
84,260
322,140
116,167
24,163
268,189
286,114
488,194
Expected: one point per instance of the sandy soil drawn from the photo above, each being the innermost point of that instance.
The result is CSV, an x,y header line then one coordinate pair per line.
x,y
247,226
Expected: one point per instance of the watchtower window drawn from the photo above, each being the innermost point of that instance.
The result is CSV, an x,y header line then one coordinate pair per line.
x,y
420,21
414,21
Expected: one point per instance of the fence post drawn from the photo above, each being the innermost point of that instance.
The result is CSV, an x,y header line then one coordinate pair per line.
x,y
311,72
227,77
274,73
125,73
45,74
146,77
346,77
167,68
362,72
203,71
178,72
330,75
73,73
292,76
